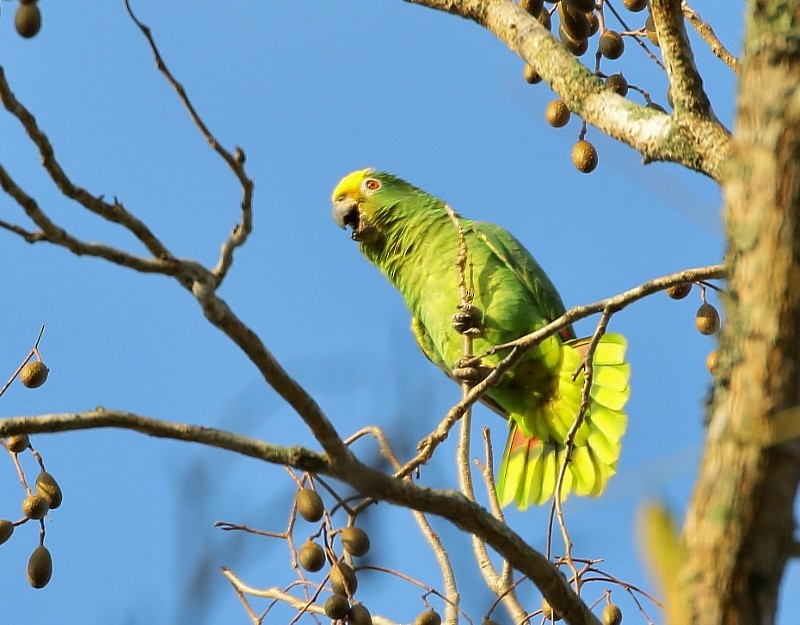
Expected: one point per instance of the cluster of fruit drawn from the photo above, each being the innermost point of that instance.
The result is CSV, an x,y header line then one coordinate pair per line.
x,y
578,22
28,18
706,320
611,615
44,496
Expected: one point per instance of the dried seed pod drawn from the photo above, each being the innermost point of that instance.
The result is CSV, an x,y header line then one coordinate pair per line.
x,y
359,615
707,319
6,529
309,505
343,579
712,360
532,77
355,541
584,156
35,506
679,291
311,556
618,83
33,374
28,19
549,612
17,443
48,488
557,113
611,44
337,607
40,567
635,5
428,617
612,615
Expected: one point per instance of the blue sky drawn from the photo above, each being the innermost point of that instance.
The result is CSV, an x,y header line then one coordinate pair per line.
x,y
311,91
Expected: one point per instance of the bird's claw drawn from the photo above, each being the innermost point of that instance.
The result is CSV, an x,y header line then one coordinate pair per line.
x,y
470,370
468,320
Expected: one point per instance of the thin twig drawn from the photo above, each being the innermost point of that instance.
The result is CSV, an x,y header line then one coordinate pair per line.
x,y
708,35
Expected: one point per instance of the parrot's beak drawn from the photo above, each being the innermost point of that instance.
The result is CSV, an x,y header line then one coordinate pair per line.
x,y
345,213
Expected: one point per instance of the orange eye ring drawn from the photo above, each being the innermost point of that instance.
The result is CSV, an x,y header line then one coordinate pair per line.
x,y
370,184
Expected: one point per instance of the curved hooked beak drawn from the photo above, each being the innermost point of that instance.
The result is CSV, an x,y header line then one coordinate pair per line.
x,y
345,213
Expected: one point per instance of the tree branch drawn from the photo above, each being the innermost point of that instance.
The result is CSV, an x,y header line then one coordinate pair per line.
x,y
700,143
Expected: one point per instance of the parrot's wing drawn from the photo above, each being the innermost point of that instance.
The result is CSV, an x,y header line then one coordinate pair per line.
x,y
519,260
431,353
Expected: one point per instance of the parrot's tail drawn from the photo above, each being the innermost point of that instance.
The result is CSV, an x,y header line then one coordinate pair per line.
x,y
532,460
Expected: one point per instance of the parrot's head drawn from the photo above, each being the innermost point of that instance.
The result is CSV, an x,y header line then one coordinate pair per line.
x,y
355,204
371,202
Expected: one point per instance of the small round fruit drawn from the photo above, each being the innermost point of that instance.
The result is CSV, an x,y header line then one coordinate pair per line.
x,y
549,612
309,505
343,579
575,23
6,529
532,6
611,44
337,607
612,615
679,291
635,5
17,443
594,23
35,506
557,113
48,488
40,567
311,556
650,30
428,617
712,360
33,374
545,19
618,83
655,107
359,615
577,47
532,77
707,319
584,6
584,156
28,20
355,541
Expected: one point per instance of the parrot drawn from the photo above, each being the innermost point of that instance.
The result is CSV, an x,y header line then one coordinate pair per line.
x,y
413,239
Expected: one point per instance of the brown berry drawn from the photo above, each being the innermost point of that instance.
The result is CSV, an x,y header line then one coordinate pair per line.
x,y
679,291
337,607
533,7
634,5
585,6
35,506
6,529
612,615
584,156
655,107
575,23
343,579
355,541
594,23
576,47
545,19
311,556
707,319
359,615
557,113
549,612
309,505
532,77
611,44
40,567
712,360
650,30
17,443
428,617
33,374
48,488
28,19
618,83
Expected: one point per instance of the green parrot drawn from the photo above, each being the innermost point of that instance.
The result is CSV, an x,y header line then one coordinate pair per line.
x,y
409,235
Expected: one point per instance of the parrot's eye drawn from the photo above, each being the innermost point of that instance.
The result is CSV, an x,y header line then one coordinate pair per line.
x,y
370,184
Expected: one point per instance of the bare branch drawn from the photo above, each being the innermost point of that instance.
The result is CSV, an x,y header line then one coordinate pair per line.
x,y
235,160
704,29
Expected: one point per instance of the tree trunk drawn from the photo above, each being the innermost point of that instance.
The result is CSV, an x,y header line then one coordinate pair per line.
x,y
739,526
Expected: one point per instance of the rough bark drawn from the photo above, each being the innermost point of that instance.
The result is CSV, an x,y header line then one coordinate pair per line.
x,y
738,532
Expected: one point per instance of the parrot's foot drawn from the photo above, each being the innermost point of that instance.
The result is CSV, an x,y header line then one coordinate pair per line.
x,y
468,320
470,370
